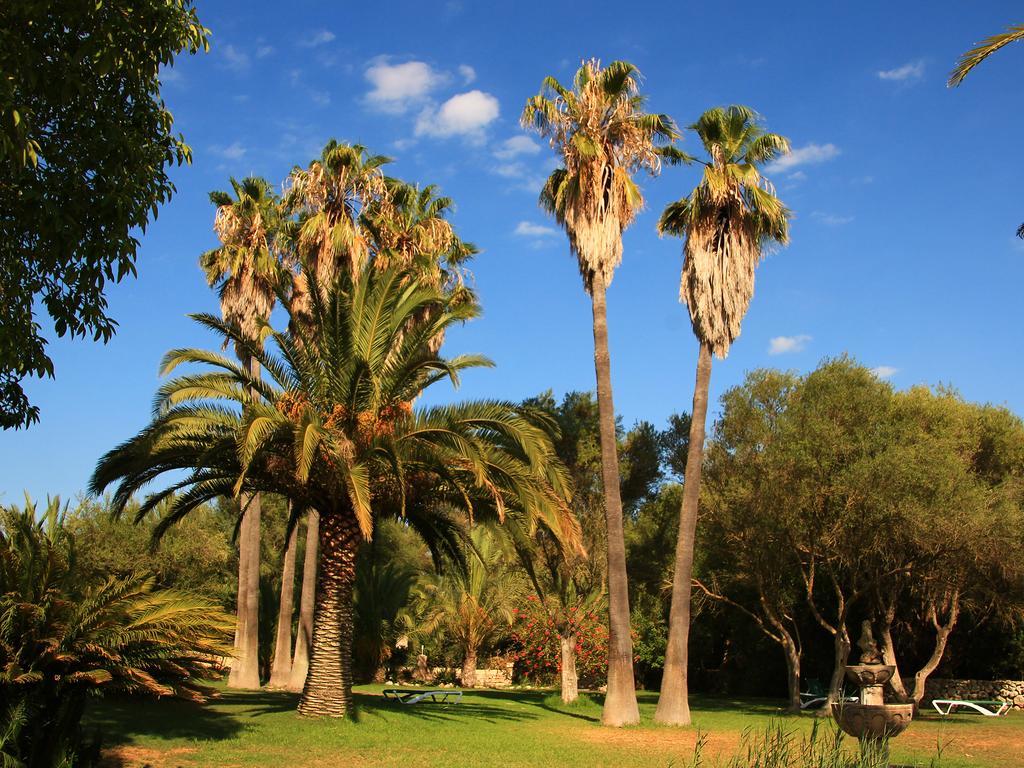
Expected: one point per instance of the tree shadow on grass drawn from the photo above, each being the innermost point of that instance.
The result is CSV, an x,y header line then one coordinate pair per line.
x,y
373,705
121,720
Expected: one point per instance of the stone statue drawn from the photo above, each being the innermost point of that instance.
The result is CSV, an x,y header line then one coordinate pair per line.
x,y
422,673
869,653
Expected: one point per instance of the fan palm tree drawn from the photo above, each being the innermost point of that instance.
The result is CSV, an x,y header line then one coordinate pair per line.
x,y
604,136
334,430
727,222
245,271
978,54
64,639
471,606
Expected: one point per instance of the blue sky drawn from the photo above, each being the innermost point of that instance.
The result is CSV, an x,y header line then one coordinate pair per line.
x,y
906,194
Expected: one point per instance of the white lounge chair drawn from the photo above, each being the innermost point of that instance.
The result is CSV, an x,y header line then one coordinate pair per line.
x,y
986,708
416,695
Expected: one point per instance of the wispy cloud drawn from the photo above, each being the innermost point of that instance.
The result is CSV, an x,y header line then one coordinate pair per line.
x,y
236,59
907,73
781,345
399,87
262,51
465,114
467,73
809,154
884,371
320,98
233,151
317,37
169,75
831,219
516,146
528,229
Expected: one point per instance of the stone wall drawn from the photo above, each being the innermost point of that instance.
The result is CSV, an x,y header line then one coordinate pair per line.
x,y
984,690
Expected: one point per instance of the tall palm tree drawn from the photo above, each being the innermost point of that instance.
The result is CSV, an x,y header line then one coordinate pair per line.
x,y
471,606
245,271
978,54
604,136
727,222
334,430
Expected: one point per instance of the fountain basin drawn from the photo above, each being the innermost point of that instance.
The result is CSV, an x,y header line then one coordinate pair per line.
x,y
873,721
869,674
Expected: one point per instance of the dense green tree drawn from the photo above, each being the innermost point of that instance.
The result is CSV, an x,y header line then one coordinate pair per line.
x,y
603,135
86,142
727,222
334,430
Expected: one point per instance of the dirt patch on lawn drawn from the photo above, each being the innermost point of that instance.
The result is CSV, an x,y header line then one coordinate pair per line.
x,y
994,745
142,757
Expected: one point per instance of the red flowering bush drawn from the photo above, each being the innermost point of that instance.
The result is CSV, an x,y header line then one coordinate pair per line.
x,y
537,653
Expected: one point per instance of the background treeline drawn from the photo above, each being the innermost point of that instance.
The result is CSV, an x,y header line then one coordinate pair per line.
x,y
828,499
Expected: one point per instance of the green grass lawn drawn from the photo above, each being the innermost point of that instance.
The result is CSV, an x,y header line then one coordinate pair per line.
x,y
488,728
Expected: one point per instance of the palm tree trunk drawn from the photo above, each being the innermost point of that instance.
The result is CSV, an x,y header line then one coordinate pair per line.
x,y
673,702
281,670
245,668
469,669
328,689
620,706
570,680
304,636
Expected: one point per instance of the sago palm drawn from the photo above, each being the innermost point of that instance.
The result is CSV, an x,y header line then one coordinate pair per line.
x,y
603,135
245,271
727,222
333,429
64,640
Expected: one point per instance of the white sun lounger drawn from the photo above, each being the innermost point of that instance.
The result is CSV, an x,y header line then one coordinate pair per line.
x,y
987,708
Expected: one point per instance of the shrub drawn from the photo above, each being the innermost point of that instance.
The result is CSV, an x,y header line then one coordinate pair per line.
x,y
537,654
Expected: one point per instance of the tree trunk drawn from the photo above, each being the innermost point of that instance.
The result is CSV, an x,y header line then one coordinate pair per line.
x,y
673,702
792,672
304,636
328,689
942,633
280,672
469,669
841,656
245,668
620,707
570,680
889,652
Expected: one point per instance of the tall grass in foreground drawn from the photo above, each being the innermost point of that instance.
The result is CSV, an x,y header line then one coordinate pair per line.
x,y
825,747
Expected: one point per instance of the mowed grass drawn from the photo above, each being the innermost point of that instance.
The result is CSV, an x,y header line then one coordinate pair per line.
x,y
489,728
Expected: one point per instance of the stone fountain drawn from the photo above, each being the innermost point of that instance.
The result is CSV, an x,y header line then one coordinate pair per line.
x,y
871,720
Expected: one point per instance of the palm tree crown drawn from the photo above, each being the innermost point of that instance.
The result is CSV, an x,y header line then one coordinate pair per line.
x,y
244,266
728,220
604,136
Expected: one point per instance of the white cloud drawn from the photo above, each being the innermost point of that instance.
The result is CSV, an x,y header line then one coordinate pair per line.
x,y
236,59
831,219
397,87
263,51
234,151
320,98
319,37
517,145
884,371
811,154
467,73
526,229
466,114
510,170
781,345
170,75
912,71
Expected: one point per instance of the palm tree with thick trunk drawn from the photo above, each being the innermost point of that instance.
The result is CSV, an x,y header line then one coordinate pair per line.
x,y
245,271
603,135
727,222
333,429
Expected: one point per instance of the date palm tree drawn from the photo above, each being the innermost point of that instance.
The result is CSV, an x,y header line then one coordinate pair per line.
x,y
603,135
471,606
333,429
727,222
245,271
